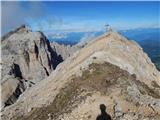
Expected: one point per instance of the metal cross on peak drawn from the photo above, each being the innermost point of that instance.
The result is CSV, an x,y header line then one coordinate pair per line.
x,y
108,27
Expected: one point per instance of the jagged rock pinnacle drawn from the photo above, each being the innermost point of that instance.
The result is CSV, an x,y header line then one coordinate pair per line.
x,y
23,28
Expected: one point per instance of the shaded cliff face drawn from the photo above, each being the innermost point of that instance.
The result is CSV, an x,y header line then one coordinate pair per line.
x,y
109,70
27,58
65,50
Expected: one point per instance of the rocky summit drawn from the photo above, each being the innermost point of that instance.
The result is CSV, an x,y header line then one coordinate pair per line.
x,y
27,58
109,78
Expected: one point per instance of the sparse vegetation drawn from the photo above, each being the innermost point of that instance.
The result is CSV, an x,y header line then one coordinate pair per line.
x,y
60,104
94,57
154,84
145,90
102,78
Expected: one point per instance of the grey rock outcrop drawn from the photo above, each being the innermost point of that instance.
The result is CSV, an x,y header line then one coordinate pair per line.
x,y
65,50
28,58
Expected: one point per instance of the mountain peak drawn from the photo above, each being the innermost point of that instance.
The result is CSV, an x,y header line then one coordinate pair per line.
x,y
23,28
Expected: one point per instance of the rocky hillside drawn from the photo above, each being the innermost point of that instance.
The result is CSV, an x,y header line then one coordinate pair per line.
x,y
65,50
27,58
103,90
110,77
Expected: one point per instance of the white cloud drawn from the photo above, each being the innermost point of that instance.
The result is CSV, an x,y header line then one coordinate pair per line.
x,y
64,25
58,35
87,37
15,14
125,25
37,17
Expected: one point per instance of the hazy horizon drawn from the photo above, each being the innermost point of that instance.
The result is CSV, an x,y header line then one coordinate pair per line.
x,y
62,16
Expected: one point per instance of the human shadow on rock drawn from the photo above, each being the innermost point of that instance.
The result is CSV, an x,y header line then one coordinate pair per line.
x,y
104,115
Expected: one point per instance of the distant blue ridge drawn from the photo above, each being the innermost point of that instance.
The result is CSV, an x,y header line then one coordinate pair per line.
x,y
73,37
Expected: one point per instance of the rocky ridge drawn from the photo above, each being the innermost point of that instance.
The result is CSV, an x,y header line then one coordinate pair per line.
x,y
65,50
111,70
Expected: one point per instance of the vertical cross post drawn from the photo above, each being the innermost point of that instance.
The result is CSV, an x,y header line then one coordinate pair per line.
x,y
107,27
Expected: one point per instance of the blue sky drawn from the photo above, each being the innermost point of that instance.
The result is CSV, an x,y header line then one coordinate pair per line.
x,y
53,17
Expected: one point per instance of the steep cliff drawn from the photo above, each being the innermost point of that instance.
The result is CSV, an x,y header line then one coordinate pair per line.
x,y
65,50
27,58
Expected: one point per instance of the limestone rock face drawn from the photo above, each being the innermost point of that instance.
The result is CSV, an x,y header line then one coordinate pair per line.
x,y
28,57
65,50
9,86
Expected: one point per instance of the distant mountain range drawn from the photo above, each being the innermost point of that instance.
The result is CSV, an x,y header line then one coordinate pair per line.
x,y
74,37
